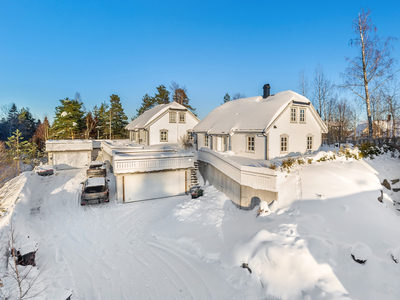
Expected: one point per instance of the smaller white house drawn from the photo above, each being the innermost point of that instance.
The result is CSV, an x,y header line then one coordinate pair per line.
x,y
263,127
164,123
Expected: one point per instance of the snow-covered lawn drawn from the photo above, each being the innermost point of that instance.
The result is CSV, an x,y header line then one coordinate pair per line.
x,y
179,248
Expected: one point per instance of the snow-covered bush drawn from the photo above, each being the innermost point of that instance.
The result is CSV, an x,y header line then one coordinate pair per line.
x,y
288,163
310,160
301,161
360,252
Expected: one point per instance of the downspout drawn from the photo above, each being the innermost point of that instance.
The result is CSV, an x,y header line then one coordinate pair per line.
x,y
266,144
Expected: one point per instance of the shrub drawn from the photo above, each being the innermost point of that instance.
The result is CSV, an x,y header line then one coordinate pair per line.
x,y
310,160
185,141
369,150
288,163
272,166
301,161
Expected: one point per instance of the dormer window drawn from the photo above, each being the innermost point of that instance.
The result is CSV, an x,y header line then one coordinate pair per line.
x,y
172,117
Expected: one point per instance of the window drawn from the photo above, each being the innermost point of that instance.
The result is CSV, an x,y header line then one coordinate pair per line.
x,y
302,115
293,112
182,118
250,143
205,140
309,142
284,143
172,117
163,135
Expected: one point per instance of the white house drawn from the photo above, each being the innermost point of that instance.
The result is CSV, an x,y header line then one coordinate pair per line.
x,y
263,127
164,123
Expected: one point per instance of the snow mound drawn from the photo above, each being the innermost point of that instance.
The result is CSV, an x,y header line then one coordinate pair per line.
x,y
360,252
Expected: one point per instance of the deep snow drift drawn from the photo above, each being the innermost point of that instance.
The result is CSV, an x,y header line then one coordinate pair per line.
x,y
179,248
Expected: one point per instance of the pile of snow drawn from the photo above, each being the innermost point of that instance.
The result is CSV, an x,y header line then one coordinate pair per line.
x,y
360,252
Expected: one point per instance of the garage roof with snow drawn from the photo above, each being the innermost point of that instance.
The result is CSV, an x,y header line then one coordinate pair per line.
x,y
254,114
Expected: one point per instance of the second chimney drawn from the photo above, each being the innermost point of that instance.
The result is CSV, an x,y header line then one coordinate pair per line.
x,y
267,90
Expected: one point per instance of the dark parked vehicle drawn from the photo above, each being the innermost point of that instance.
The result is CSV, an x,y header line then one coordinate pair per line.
x,y
196,192
95,190
44,170
96,169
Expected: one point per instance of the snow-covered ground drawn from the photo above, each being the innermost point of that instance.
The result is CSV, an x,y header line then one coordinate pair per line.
x,y
179,248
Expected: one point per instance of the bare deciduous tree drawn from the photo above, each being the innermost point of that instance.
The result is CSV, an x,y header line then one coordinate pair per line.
x,y
391,98
303,83
368,71
238,96
322,91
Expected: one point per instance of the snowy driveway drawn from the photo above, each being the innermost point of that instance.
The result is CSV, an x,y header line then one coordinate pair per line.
x,y
103,251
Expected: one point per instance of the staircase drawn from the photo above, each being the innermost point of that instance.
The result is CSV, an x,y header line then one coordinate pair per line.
x,y
193,175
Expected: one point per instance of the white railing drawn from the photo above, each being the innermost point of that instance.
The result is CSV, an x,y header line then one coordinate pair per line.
x,y
256,178
136,164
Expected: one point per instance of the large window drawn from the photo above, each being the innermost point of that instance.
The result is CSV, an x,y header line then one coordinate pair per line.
x,y
284,143
206,140
302,115
172,117
163,135
250,143
309,142
182,118
293,114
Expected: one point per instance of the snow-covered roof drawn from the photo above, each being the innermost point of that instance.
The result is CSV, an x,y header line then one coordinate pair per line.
x,y
254,114
148,116
95,181
69,145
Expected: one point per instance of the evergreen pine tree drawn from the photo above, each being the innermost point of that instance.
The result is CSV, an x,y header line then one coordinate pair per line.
x,y
181,97
227,98
17,148
26,123
12,119
162,95
118,118
103,121
147,103
68,122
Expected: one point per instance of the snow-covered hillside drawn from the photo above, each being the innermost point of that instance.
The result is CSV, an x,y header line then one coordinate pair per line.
x,y
179,248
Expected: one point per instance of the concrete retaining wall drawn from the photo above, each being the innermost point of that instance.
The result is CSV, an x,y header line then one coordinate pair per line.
x,y
242,196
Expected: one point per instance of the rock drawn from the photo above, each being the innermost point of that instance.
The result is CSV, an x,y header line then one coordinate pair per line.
x,y
380,198
386,184
394,181
396,255
360,252
396,190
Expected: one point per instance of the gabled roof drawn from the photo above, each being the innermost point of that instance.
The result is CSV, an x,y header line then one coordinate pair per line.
x,y
150,115
254,114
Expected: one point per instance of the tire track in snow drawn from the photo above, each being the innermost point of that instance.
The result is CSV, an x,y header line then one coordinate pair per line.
x,y
187,272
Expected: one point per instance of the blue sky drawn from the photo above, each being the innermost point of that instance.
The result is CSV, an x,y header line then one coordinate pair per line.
x,y
50,50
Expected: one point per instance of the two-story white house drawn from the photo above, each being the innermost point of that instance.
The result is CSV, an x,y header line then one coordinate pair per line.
x,y
164,123
263,127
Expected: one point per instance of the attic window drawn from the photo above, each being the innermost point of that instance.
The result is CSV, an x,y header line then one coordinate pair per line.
x,y
302,115
182,118
293,115
172,117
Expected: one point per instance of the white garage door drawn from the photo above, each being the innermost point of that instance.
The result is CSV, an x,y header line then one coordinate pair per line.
x,y
75,159
146,186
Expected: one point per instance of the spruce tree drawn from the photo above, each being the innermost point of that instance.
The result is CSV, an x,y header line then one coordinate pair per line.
x,y
68,122
17,148
26,123
118,118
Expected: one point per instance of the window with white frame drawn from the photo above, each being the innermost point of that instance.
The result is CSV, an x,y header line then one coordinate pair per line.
x,y
205,140
284,143
310,142
302,115
293,114
163,135
172,117
250,143
182,118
